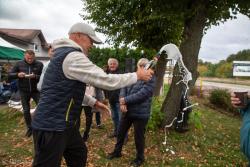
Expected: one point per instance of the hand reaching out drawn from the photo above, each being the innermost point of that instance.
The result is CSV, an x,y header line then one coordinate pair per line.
x,y
102,107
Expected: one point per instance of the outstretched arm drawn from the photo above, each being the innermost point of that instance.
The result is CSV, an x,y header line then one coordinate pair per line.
x,y
77,66
145,92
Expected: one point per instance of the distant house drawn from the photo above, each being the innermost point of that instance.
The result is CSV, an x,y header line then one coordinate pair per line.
x,y
27,39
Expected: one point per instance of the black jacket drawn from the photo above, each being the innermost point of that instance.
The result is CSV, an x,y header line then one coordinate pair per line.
x,y
113,95
26,84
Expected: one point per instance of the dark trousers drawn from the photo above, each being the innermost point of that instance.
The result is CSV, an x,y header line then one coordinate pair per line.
x,y
51,146
139,131
98,118
89,116
25,100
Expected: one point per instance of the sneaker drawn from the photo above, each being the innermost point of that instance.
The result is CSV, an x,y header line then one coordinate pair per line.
x,y
113,155
136,162
28,132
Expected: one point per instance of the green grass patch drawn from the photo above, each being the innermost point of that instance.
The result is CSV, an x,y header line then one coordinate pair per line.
x,y
13,146
215,142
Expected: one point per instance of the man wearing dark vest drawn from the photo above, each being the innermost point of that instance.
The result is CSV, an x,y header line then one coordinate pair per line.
x,y
55,130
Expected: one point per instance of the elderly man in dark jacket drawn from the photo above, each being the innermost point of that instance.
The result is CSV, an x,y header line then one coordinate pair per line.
x,y
28,73
113,96
135,103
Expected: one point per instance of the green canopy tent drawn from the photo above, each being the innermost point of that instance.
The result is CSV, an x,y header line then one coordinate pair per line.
x,y
9,51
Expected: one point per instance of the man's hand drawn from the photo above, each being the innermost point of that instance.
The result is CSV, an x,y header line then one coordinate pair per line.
x,y
21,75
105,102
143,74
102,107
32,75
123,108
122,101
235,101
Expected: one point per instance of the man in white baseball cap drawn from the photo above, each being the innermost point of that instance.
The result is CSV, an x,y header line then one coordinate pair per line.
x,y
56,122
85,29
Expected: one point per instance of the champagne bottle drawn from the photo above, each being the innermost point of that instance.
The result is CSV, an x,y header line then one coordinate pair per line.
x,y
152,63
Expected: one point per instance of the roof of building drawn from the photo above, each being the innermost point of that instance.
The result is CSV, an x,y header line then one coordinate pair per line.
x,y
25,35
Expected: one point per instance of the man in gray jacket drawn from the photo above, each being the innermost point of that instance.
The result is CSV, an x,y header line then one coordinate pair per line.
x,y
54,125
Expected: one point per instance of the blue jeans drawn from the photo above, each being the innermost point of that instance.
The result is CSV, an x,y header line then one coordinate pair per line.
x,y
116,115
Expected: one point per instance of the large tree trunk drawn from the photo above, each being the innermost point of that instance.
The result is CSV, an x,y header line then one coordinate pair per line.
x,y
190,46
160,72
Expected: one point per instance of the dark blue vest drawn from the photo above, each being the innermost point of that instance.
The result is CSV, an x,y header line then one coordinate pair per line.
x,y
61,98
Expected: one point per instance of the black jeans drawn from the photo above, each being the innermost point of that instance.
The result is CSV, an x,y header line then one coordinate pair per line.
x,y
139,131
98,118
89,116
51,146
25,100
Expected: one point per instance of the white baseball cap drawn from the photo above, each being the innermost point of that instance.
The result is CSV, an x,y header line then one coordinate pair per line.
x,y
85,29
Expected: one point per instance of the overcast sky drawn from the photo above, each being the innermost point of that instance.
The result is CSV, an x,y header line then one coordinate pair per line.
x,y
54,18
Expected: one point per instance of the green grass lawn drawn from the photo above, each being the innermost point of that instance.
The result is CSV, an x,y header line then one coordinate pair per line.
x,y
215,143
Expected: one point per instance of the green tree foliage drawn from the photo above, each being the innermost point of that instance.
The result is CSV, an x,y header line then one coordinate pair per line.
x,y
140,23
152,23
100,56
243,55
211,70
224,70
202,69
206,69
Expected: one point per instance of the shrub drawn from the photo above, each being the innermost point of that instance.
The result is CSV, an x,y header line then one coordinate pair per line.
x,y
195,118
221,98
156,116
